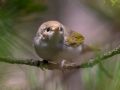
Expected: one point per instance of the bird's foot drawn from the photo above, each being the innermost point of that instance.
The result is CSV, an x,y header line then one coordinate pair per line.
x,y
62,63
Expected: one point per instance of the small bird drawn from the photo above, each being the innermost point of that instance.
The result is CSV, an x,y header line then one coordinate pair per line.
x,y
56,43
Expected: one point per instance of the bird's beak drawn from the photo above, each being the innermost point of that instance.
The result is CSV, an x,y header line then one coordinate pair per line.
x,y
55,29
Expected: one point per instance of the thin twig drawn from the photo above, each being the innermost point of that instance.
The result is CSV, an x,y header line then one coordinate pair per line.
x,y
49,65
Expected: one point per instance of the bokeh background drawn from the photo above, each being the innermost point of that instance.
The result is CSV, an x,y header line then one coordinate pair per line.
x,y
97,20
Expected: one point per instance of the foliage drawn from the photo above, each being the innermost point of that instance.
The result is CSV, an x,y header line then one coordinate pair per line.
x,y
10,10
18,7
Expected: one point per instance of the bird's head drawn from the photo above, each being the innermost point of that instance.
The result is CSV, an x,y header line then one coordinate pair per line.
x,y
52,31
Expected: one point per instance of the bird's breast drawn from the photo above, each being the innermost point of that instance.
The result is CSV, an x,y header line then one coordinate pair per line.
x,y
47,51
57,52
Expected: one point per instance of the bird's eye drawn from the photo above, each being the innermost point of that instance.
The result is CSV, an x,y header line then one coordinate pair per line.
x,y
61,29
48,29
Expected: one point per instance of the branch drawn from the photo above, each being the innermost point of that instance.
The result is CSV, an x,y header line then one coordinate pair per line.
x,y
49,65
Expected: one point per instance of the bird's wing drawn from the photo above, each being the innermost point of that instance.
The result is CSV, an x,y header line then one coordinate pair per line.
x,y
73,39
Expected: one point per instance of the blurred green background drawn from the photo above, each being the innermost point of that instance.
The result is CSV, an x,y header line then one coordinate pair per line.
x,y
97,20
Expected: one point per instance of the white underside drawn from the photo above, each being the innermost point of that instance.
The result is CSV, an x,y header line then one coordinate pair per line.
x,y
58,52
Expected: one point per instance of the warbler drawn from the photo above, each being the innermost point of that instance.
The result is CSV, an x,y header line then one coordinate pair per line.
x,y
56,43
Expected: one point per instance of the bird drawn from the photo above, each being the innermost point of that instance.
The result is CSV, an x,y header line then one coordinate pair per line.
x,y
56,43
